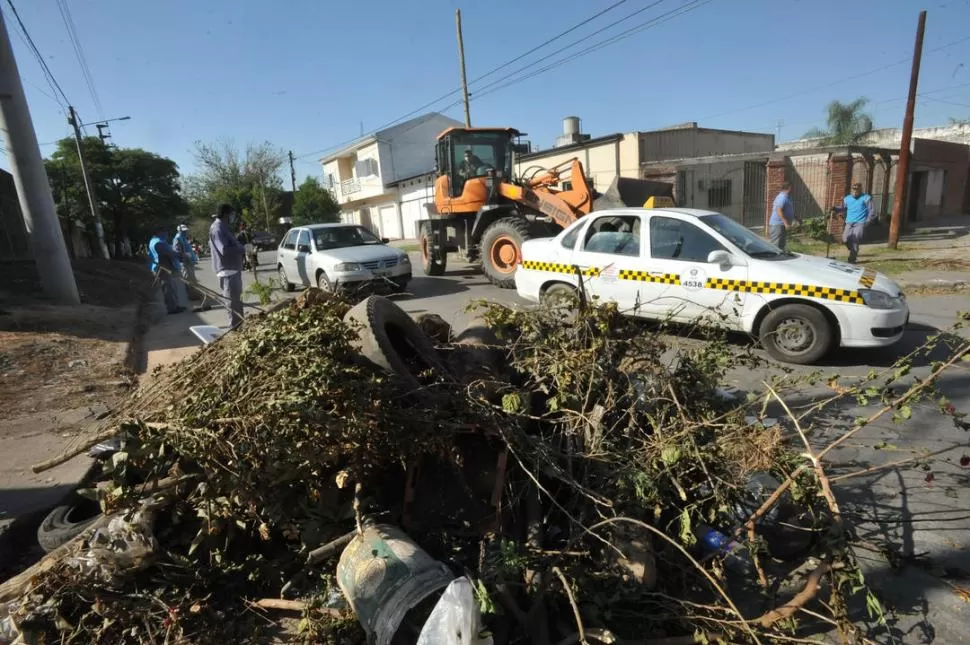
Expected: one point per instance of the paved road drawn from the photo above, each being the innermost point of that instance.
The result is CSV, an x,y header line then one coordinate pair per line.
x,y
918,514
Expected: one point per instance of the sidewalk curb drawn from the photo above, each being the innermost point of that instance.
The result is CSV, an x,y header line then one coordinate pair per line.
x,y
936,282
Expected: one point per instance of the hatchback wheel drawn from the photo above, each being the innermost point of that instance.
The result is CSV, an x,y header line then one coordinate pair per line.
x,y
798,334
284,282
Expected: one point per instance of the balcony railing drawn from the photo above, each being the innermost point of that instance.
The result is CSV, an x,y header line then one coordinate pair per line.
x,y
349,186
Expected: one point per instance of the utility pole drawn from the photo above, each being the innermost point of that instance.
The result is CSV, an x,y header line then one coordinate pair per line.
x,y
461,62
902,172
292,173
30,177
88,186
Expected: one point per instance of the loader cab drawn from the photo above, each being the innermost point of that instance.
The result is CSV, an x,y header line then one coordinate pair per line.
x,y
465,154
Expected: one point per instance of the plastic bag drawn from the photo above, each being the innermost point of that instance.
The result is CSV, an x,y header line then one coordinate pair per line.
x,y
455,619
123,546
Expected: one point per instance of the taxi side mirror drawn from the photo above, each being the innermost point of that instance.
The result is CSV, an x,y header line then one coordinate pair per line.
x,y
722,258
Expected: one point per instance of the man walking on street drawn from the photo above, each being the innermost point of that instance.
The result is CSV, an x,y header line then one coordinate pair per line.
x,y
858,209
165,265
782,217
227,260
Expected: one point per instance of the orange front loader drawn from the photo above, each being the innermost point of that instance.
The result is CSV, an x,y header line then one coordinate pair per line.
x,y
484,212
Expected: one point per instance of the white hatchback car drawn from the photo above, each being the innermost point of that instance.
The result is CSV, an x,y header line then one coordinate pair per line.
x,y
338,257
693,266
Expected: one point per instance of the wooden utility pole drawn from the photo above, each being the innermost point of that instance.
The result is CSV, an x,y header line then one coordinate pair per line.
x,y
30,178
902,172
461,62
88,186
292,172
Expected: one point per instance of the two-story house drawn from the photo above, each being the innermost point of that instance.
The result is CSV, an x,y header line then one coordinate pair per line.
x,y
364,175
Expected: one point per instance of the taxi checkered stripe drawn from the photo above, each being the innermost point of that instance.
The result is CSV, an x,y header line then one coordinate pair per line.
x,y
555,267
644,276
785,288
867,278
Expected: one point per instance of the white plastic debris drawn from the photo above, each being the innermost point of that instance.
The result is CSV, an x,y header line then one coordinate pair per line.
x,y
124,545
767,422
727,393
455,619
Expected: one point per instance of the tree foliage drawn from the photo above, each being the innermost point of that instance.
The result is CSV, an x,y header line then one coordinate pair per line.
x,y
847,123
248,179
313,204
137,190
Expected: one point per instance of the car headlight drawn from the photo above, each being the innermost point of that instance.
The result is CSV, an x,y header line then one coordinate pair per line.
x,y
879,299
347,267
405,259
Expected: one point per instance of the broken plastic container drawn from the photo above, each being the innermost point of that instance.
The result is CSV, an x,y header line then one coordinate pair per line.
x,y
455,620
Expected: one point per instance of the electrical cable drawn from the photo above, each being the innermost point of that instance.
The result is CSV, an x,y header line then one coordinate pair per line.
x,y
65,11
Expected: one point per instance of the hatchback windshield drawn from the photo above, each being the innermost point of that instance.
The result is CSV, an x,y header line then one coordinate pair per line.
x,y
743,238
339,237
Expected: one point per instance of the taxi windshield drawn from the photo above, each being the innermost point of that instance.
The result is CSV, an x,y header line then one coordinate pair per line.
x,y
743,238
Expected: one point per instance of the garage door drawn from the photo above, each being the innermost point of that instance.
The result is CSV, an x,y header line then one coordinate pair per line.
x,y
390,223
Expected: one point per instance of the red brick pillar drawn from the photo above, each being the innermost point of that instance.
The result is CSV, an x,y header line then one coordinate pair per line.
x,y
840,176
775,177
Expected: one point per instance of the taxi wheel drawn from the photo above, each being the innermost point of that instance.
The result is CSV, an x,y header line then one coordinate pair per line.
x,y
798,334
559,294
502,250
428,263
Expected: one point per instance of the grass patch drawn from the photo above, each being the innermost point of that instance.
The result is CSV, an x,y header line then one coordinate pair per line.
x,y
904,265
408,248
806,246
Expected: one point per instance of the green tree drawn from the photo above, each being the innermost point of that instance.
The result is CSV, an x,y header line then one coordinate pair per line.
x,y
137,190
847,123
313,204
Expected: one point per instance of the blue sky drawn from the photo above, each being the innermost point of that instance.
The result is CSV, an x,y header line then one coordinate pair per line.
x,y
305,74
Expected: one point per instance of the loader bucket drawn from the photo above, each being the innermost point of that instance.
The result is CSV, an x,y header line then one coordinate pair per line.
x,y
627,192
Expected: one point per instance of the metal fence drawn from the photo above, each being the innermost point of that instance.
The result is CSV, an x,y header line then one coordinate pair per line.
x,y
809,177
735,188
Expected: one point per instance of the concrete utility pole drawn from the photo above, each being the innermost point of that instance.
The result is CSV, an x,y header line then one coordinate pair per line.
x,y
88,186
292,172
461,62
30,177
902,172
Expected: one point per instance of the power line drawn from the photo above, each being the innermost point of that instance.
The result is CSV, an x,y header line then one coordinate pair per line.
x,y
827,85
493,71
51,80
79,54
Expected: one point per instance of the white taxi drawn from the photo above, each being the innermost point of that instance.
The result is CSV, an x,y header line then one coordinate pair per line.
x,y
695,266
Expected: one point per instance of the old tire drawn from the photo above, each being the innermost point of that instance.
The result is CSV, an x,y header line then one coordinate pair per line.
x,y
502,250
799,334
429,264
66,522
389,338
284,281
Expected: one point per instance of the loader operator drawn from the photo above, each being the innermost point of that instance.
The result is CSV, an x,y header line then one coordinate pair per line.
x,y
469,167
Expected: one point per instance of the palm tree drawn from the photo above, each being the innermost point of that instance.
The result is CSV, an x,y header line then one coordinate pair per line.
x,y
847,123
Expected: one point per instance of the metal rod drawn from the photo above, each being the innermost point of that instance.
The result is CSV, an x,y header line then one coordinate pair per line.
x,y
902,173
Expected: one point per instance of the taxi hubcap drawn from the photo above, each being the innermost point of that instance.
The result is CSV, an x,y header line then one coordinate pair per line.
x,y
794,335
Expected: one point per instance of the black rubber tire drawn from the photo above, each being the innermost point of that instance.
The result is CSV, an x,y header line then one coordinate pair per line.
x,y
66,522
515,228
323,282
284,282
821,329
389,338
554,294
429,265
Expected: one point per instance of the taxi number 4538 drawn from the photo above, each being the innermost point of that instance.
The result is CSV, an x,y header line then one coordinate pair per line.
x,y
693,284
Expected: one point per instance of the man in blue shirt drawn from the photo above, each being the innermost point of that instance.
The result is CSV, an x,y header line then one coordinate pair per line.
x,y
782,217
858,209
165,264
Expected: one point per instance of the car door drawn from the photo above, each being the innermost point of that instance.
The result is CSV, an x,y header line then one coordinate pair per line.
x,y
286,255
689,288
611,246
301,256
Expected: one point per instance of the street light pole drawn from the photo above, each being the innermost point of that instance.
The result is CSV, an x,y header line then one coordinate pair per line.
x,y
88,186
30,177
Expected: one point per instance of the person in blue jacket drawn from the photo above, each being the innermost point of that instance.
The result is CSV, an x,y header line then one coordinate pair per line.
x,y
189,258
858,209
165,265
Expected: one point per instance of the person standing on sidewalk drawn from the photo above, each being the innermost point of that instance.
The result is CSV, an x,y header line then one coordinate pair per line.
x,y
227,261
165,265
189,258
858,209
782,217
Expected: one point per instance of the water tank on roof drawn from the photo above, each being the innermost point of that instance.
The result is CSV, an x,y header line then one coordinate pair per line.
x,y
570,126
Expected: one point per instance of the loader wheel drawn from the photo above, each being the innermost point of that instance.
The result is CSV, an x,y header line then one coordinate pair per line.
x,y
502,250
389,338
430,265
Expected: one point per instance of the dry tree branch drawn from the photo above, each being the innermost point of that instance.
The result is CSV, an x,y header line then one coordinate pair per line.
x,y
802,597
572,603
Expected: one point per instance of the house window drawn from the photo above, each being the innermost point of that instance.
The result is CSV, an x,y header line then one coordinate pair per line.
x,y
366,167
719,193
331,181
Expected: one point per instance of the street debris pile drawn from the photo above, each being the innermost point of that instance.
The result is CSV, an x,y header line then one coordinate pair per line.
x,y
540,477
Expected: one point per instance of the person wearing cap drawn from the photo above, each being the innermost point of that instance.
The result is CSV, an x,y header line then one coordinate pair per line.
x,y
470,164
189,258
227,261
857,208
165,265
